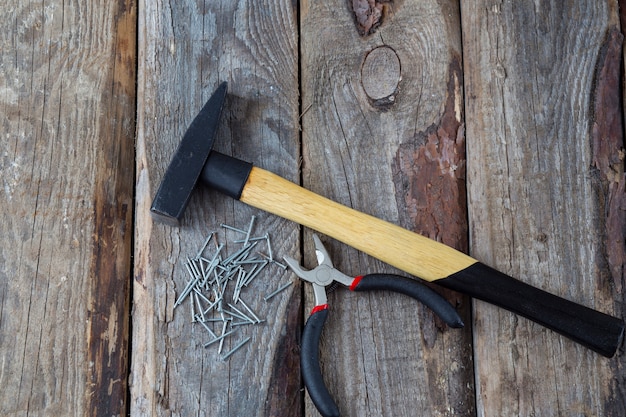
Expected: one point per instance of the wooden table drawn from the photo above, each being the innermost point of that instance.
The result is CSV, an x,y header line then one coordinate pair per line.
x,y
495,127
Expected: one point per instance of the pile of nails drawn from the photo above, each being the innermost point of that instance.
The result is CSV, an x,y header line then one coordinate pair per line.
x,y
217,283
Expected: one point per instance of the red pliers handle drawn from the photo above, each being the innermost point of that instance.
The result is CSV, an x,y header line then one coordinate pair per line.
x,y
325,274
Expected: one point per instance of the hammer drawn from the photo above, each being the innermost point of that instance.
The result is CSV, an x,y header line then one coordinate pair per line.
x,y
417,255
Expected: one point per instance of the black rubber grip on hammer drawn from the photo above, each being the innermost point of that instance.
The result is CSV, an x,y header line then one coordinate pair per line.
x,y
593,329
226,174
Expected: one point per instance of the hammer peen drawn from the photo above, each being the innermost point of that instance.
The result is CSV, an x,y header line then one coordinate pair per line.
x,y
415,254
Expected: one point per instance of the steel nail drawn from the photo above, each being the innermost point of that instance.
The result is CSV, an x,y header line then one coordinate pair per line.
x,y
256,272
252,239
219,338
250,311
193,309
208,330
279,290
199,305
241,314
249,230
269,246
206,242
225,226
222,340
235,349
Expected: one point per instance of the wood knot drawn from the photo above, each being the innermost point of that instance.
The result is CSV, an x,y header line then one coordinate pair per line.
x,y
368,14
380,76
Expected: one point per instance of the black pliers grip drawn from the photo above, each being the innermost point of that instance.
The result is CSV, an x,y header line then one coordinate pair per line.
x,y
309,359
323,276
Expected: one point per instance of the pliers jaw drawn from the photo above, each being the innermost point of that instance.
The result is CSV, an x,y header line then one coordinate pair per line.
x,y
323,258
323,275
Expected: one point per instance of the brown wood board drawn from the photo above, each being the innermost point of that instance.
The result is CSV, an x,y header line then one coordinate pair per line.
x,y
542,93
67,105
189,49
367,124
370,103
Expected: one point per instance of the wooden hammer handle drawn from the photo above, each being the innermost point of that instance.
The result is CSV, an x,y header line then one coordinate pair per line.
x,y
392,244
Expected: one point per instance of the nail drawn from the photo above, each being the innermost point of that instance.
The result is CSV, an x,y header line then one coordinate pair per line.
x,y
194,266
249,230
199,294
235,349
252,239
250,261
239,316
255,273
190,285
250,311
240,276
193,309
208,330
279,290
225,226
274,261
185,292
206,242
220,338
269,246
212,264
199,305
242,315
246,249
244,323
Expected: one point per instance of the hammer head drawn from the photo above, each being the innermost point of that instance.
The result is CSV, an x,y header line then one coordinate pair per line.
x,y
186,166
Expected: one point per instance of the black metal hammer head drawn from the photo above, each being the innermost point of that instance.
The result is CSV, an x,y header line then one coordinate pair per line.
x,y
188,162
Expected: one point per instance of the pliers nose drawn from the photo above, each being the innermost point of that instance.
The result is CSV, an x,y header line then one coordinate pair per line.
x,y
323,258
325,274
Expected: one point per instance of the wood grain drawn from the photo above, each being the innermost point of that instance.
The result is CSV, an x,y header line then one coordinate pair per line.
x,y
382,354
67,88
535,202
382,88
186,49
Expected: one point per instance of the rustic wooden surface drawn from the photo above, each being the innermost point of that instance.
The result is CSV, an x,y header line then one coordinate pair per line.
x,y
542,95
374,110
186,50
67,104
374,106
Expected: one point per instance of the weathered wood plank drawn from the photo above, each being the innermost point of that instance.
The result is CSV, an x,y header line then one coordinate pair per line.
x,y
383,133
186,49
538,198
67,88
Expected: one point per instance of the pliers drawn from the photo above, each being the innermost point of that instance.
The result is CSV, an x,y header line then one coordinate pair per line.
x,y
324,275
